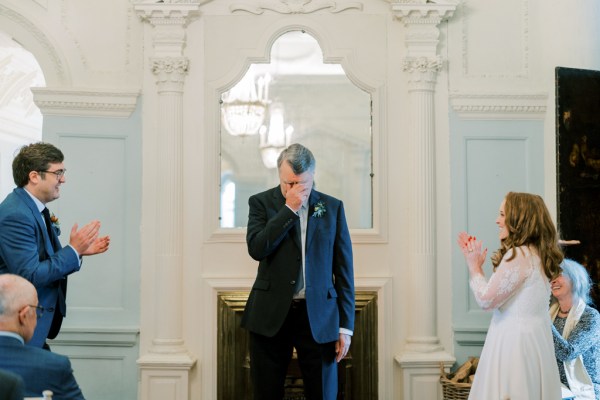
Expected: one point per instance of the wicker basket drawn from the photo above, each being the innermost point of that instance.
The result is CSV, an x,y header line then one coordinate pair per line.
x,y
453,390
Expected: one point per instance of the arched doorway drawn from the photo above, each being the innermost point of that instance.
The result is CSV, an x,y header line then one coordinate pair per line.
x,y
20,119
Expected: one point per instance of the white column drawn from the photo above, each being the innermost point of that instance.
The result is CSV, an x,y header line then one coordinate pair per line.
x,y
166,365
170,73
422,73
423,352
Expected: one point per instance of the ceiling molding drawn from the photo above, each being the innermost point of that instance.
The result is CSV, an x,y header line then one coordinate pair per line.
x,y
499,106
85,102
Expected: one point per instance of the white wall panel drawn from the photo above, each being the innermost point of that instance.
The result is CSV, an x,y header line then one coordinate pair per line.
x,y
102,160
100,332
492,47
105,372
492,158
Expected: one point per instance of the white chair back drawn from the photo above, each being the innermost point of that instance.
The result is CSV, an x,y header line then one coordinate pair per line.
x,y
46,395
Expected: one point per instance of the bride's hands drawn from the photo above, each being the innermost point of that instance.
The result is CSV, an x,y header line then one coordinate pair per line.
x,y
473,252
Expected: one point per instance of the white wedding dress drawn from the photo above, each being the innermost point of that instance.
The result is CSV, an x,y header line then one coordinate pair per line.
x,y
517,361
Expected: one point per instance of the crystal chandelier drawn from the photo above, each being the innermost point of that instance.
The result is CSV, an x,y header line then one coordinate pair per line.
x,y
274,138
245,105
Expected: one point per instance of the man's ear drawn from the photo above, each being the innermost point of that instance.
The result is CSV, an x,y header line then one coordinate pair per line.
x,y
24,314
34,176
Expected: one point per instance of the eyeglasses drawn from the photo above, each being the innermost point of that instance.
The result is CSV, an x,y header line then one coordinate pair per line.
x,y
39,310
59,172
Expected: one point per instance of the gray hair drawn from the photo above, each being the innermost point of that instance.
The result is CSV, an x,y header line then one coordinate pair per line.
x,y
579,277
298,157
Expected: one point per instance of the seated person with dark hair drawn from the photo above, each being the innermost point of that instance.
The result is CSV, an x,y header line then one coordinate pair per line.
x,y
11,386
40,369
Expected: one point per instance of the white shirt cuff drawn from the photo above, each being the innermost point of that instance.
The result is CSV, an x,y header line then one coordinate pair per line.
x,y
346,331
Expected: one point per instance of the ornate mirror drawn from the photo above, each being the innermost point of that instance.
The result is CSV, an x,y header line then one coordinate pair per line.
x,y
296,98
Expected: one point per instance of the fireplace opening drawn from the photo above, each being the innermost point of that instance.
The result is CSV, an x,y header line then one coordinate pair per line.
x,y
357,373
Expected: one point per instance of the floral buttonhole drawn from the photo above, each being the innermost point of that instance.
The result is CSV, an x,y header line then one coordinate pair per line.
x,y
319,210
55,223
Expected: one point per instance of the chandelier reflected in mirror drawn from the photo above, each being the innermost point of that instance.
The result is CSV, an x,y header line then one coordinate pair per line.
x,y
244,107
274,138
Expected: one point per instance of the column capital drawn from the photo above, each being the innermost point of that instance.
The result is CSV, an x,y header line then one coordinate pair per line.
x,y
168,20
422,71
422,18
170,72
422,64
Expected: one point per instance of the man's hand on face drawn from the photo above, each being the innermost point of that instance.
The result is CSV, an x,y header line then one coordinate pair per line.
x,y
296,195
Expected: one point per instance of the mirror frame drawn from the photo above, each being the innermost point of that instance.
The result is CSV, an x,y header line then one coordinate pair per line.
x,y
261,54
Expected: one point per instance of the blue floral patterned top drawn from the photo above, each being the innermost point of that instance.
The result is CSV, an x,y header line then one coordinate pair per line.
x,y
584,340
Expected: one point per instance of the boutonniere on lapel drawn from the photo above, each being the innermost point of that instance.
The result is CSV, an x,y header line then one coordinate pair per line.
x,y
55,223
319,210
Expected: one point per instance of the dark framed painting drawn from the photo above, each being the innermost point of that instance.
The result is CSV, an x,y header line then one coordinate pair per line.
x,y
578,167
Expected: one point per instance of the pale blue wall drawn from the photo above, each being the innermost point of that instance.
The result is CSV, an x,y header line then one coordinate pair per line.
x,y
489,159
103,181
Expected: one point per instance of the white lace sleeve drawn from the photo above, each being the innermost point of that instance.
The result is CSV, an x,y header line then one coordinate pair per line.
x,y
509,276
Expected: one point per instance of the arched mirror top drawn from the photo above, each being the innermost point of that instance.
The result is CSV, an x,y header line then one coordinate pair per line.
x,y
301,52
296,98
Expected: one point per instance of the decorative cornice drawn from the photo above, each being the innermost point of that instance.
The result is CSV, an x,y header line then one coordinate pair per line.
x,y
494,106
297,7
167,12
422,19
168,21
85,103
423,12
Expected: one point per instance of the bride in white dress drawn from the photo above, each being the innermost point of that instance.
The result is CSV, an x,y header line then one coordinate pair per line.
x,y
517,360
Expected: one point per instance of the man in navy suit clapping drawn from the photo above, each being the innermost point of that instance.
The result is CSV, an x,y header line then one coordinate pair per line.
x,y
29,244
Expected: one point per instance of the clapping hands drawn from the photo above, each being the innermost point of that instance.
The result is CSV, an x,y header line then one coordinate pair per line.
x,y
86,241
472,250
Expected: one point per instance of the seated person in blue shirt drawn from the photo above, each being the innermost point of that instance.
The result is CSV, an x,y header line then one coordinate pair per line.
x,y
40,369
575,329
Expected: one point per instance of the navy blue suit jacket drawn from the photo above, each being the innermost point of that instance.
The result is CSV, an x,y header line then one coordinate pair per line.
x,y
26,249
40,369
273,239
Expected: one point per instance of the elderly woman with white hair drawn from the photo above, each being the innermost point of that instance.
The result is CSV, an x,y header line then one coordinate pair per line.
x,y
576,331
